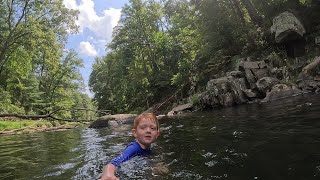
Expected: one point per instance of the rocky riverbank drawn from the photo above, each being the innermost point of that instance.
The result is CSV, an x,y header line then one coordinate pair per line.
x,y
258,78
267,76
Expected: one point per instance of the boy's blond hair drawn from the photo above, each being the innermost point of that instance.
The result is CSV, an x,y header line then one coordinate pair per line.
x,y
148,116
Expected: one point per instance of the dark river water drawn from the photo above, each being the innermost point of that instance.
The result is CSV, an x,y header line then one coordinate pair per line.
x,y
270,141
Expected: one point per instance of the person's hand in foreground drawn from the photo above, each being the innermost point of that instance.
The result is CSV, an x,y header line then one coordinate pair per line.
x,y
108,173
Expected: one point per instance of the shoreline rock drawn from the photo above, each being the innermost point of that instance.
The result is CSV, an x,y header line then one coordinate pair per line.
x,y
113,120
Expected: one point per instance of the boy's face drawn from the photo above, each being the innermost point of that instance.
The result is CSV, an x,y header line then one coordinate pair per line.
x,y
146,132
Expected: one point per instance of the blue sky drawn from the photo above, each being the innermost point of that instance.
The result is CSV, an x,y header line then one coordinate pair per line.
x,y
96,21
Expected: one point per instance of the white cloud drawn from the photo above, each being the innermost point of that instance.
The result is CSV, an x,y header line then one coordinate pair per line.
x,y
114,14
87,49
101,26
71,4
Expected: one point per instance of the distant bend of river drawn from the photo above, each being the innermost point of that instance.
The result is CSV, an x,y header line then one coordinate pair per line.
x,y
271,141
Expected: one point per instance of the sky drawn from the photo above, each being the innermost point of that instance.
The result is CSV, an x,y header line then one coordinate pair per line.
x,y
96,21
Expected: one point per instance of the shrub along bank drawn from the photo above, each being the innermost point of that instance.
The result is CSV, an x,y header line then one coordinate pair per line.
x,y
17,126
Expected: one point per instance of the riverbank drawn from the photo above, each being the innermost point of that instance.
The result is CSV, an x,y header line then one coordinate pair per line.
x,y
18,126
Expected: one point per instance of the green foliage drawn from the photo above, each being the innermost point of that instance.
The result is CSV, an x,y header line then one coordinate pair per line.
x,y
55,123
8,125
194,99
276,58
37,76
16,124
141,68
163,47
6,106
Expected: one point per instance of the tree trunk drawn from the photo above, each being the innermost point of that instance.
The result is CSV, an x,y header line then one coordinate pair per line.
x,y
48,116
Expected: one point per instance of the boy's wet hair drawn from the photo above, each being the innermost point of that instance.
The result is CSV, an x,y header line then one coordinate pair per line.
x,y
148,116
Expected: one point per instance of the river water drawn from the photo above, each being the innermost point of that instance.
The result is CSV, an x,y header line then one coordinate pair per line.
x,y
271,141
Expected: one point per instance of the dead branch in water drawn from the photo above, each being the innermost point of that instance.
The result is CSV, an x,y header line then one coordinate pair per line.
x,y
310,68
167,100
48,116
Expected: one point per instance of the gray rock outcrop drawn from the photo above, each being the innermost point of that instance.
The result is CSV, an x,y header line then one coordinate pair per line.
x,y
265,84
280,91
287,27
113,120
225,91
255,81
253,71
179,109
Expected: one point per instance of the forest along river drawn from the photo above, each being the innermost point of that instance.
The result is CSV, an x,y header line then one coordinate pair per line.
x,y
270,141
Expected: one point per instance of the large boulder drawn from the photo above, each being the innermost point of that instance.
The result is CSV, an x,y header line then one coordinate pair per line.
x,y
280,91
225,91
253,64
250,94
253,71
287,27
281,73
265,84
235,74
113,120
309,84
181,108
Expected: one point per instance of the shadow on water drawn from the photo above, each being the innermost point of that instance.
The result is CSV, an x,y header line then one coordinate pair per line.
x,y
276,141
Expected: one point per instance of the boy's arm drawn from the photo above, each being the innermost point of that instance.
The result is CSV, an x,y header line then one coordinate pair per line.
x,y
108,173
127,154
109,170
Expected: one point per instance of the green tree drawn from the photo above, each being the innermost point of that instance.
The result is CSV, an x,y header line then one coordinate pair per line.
x,y
37,76
25,22
160,48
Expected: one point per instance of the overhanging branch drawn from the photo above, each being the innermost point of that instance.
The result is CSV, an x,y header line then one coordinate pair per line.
x,y
48,116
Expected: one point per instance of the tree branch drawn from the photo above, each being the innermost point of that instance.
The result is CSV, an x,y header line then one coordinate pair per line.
x,y
309,69
48,116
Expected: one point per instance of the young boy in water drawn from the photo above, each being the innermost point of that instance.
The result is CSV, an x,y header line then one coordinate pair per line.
x,y
146,131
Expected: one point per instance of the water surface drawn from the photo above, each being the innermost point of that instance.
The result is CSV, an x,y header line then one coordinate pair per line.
x,y
270,141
